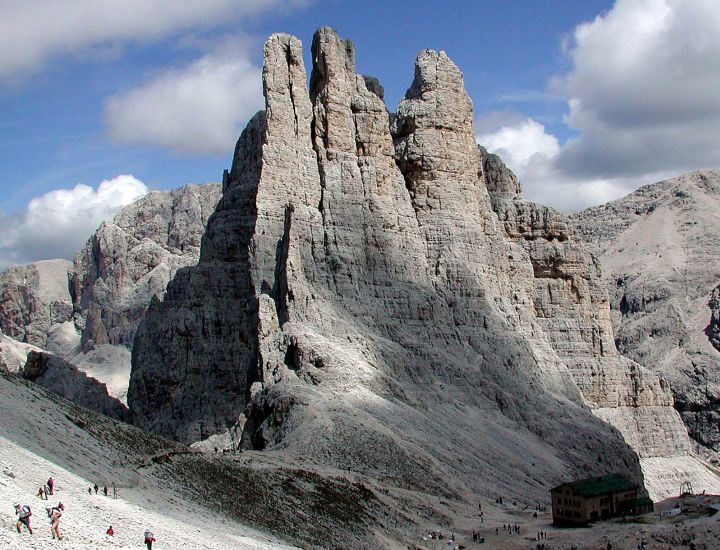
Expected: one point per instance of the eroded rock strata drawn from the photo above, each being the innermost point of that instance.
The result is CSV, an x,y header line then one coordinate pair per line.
x,y
658,249
713,328
362,302
571,302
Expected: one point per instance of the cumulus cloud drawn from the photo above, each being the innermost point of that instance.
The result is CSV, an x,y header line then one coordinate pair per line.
x,y
32,31
644,91
57,224
517,144
643,96
196,109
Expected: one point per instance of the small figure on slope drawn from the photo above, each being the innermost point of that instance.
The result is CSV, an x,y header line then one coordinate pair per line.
x,y
23,512
149,539
55,513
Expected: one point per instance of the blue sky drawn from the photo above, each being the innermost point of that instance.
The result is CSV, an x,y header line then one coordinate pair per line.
x,y
160,90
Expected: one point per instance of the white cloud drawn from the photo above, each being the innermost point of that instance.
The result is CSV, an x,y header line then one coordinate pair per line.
x,y
57,224
644,91
518,143
198,109
643,96
33,31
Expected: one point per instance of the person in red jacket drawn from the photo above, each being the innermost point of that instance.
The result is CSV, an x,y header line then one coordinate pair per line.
x,y
149,539
110,532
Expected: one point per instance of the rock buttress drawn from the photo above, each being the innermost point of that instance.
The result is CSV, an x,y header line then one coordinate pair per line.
x,y
572,311
201,334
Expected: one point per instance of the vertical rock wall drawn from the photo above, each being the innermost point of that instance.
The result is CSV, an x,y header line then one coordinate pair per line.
x,y
572,308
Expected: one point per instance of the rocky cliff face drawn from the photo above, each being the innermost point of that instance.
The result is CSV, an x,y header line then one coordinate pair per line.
x,y
132,258
368,304
658,250
87,312
34,298
713,329
124,265
571,302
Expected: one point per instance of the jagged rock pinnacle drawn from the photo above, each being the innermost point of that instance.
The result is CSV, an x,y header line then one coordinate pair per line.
x,y
359,303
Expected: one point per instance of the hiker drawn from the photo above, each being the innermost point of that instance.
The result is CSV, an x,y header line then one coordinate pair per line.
x,y
105,490
149,539
90,491
96,488
50,484
55,513
41,493
496,532
110,532
45,491
23,512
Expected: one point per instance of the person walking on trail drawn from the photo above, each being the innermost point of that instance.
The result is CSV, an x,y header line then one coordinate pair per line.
x,y
42,495
96,488
23,512
110,532
149,539
50,484
55,514
105,490
45,491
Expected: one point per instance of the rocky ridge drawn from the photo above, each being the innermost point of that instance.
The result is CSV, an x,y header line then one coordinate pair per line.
x,y
59,376
64,379
658,250
128,261
13,354
362,301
